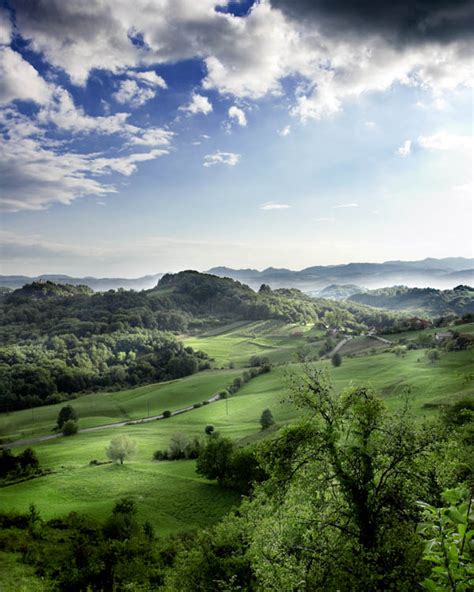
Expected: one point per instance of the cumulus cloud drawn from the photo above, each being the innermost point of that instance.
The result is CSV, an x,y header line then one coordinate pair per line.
x,y
130,93
250,56
271,205
198,104
228,158
238,115
405,149
19,80
399,22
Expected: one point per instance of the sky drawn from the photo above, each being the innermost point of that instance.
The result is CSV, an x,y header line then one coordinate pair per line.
x,y
158,135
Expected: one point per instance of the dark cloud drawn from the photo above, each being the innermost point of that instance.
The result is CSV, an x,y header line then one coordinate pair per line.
x,y
399,21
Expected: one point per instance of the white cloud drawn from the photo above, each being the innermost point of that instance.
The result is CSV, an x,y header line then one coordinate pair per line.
x,y
346,205
150,78
5,28
285,131
247,57
37,171
271,205
445,141
198,104
238,115
19,80
229,158
370,125
405,149
129,93
324,219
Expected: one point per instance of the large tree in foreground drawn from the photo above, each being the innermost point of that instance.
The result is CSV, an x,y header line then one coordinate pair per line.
x,y
339,511
121,448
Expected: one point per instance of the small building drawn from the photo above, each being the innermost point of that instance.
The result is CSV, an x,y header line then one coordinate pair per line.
x,y
443,336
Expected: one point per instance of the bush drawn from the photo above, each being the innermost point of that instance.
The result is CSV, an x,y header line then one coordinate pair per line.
x,y
206,402
266,419
160,455
336,360
197,405
167,413
209,429
70,428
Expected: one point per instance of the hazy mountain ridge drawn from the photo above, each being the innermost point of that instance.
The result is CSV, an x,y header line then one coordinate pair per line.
x,y
436,273
145,282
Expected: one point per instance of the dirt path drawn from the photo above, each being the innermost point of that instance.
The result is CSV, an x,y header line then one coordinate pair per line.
x,y
338,347
106,426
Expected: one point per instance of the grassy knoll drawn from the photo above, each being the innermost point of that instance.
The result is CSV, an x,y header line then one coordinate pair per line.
x,y
238,342
101,408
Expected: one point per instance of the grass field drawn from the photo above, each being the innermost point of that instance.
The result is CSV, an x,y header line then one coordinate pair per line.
x,y
170,494
102,408
238,342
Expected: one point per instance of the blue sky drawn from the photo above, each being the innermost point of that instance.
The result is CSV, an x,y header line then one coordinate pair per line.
x,y
195,136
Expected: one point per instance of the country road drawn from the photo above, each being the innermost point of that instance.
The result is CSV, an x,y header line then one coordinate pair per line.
x,y
338,346
117,424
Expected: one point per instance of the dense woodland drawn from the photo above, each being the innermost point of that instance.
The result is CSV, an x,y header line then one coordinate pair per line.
x,y
428,301
59,340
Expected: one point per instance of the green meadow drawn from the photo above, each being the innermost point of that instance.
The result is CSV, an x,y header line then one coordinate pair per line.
x,y
170,494
103,408
236,343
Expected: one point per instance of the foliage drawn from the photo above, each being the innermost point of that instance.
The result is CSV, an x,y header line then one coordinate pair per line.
x,y
121,448
336,360
266,419
232,467
428,301
449,548
66,413
433,355
69,428
12,466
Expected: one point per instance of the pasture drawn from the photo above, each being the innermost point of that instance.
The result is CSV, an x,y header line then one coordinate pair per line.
x,y
170,494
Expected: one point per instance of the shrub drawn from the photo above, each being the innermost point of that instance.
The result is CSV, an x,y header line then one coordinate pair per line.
x,y
70,428
160,455
336,360
197,405
209,429
167,413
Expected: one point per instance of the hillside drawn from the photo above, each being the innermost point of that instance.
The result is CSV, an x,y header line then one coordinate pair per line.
x,y
60,340
422,301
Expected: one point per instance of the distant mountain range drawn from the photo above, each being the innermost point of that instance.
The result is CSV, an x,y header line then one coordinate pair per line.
x,y
435,273
146,282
